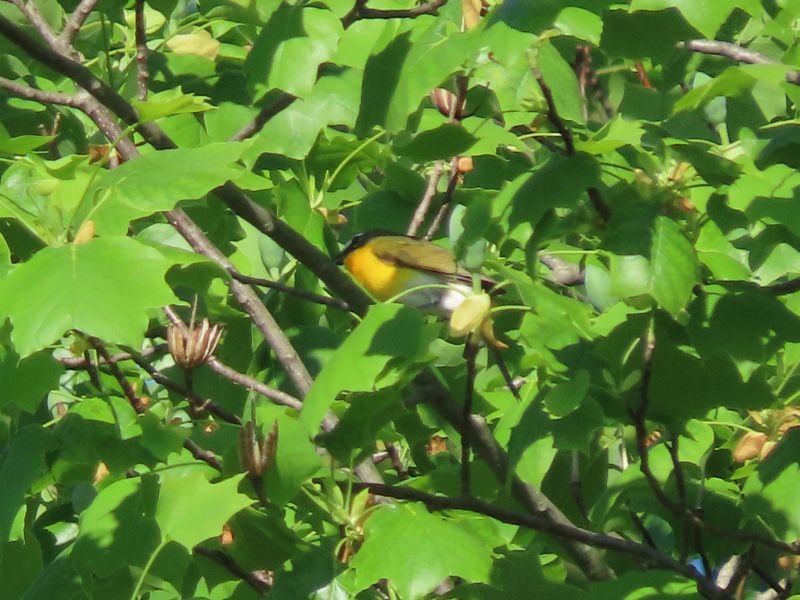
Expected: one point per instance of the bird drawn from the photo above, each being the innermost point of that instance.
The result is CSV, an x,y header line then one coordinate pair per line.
x,y
392,266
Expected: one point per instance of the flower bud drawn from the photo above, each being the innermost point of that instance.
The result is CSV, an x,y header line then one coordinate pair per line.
x,y
193,346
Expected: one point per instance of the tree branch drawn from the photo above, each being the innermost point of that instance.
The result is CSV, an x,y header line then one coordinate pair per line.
x,y
277,396
264,115
425,202
428,389
304,294
142,72
124,384
261,218
362,11
30,93
225,560
569,144
199,453
736,53
75,22
543,524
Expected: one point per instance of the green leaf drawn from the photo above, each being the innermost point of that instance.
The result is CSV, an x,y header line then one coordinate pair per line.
x,y
169,102
559,182
620,33
640,586
445,141
22,464
27,381
668,274
683,387
567,396
560,78
415,568
615,134
116,529
733,82
707,17
769,493
580,23
159,180
191,510
388,331
290,48
103,288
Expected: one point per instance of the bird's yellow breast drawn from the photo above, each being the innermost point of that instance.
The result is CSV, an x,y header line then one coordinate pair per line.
x,y
382,279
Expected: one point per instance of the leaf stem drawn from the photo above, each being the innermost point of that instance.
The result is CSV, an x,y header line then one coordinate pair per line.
x,y
146,569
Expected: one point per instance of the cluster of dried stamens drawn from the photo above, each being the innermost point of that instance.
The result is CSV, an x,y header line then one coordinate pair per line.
x,y
193,345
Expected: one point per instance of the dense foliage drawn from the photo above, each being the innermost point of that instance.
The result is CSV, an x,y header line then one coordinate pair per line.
x,y
176,170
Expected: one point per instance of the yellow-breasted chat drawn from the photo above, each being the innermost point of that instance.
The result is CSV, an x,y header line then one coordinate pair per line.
x,y
415,272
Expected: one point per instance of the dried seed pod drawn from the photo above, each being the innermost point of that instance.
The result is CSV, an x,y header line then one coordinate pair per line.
x,y
256,452
192,346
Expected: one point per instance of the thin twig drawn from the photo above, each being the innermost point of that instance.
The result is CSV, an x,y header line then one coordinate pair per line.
x,y
569,144
300,293
75,22
470,356
85,362
425,202
264,115
180,389
770,581
642,75
124,384
447,200
34,17
786,287
199,453
91,368
277,396
736,53
640,527
225,560
142,72
30,93
541,523
362,11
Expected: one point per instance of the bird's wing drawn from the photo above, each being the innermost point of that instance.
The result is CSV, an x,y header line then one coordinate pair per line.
x,y
425,256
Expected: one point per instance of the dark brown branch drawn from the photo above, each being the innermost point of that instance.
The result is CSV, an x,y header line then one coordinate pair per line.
x,y
75,362
569,144
75,22
362,11
142,72
225,560
180,389
91,368
199,453
304,294
786,287
560,530
124,384
736,53
264,115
